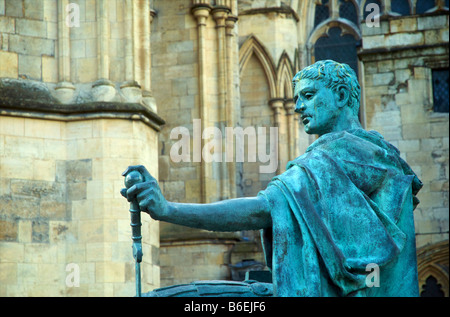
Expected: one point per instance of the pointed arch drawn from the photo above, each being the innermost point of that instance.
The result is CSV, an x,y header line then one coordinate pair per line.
x,y
432,261
346,26
253,46
285,74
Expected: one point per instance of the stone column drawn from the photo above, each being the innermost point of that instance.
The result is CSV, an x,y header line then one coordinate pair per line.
x,y
277,106
137,86
103,40
141,42
131,88
64,89
230,105
147,96
201,13
128,35
103,89
144,38
219,14
289,106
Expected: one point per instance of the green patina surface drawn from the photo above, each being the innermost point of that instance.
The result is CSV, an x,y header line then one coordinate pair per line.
x,y
339,221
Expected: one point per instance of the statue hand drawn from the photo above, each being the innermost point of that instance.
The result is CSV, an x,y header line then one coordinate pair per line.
x,y
148,194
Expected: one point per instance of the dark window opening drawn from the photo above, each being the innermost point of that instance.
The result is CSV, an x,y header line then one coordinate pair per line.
x,y
432,288
440,90
400,6
347,11
321,13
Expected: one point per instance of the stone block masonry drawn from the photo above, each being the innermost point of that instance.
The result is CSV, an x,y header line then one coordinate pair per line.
x,y
60,204
398,68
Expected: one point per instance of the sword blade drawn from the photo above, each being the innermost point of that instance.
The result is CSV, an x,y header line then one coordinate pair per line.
x,y
138,279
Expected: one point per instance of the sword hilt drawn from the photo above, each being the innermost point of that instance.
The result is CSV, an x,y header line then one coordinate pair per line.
x,y
132,178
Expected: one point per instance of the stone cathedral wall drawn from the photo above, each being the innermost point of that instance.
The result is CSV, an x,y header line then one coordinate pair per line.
x,y
88,87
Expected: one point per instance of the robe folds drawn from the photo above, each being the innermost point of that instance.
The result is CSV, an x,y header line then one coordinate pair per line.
x,y
342,220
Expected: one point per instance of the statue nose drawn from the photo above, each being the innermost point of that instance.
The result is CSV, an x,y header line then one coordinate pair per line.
x,y
299,107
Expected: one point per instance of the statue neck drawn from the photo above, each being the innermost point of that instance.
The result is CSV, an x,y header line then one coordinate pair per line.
x,y
345,122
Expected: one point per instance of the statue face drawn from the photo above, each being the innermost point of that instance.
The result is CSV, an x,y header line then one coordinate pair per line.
x,y
316,105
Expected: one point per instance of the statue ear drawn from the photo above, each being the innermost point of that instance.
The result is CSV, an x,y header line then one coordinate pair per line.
x,y
343,96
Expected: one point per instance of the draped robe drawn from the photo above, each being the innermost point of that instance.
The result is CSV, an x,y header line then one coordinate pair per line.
x,y
340,211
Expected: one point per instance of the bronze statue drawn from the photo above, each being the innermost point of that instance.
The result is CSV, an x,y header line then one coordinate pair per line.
x,y
342,210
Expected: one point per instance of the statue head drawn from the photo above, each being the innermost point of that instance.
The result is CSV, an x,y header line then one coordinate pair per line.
x,y
327,95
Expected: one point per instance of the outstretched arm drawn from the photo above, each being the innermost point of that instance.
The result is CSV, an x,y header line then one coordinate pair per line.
x,y
237,214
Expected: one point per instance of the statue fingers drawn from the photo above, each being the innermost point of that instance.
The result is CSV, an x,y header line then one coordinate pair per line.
x,y
141,169
142,192
134,190
123,192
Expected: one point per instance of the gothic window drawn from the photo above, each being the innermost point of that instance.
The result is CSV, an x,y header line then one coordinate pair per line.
x,y
440,90
337,46
400,6
322,12
339,37
347,11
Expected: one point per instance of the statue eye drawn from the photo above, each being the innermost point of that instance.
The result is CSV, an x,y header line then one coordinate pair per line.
x,y
309,95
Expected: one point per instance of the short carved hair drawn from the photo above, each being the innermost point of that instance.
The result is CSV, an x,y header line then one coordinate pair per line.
x,y
334,74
